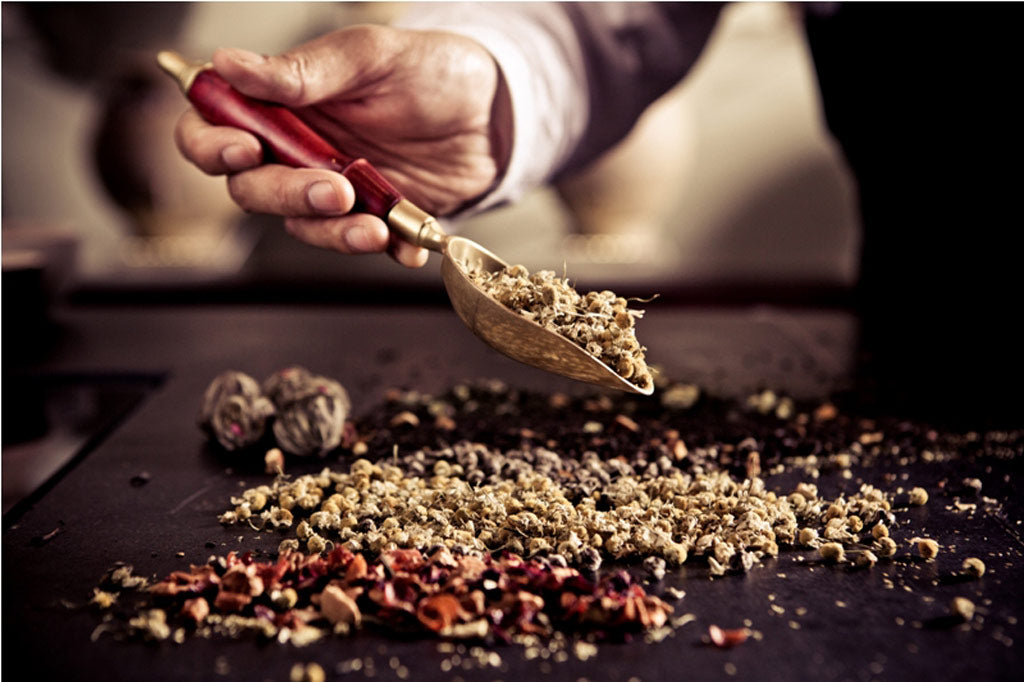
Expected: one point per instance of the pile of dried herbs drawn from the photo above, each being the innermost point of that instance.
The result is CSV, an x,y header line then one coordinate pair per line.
x,y
301,598
599,322
487,512
669,516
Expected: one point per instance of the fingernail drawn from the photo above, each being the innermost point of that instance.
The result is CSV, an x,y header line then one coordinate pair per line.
x,y
323,197
359,239
237,157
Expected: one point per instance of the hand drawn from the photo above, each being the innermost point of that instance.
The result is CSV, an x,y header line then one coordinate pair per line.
x,y
426,108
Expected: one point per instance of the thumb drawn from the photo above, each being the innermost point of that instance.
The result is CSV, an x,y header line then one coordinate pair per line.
x,y
328,67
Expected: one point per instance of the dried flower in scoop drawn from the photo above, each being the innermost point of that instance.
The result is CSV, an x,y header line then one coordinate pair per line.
x,y
598,322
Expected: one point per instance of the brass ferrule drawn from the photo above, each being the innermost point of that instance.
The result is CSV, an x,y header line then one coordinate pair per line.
x,y
416,226
181,69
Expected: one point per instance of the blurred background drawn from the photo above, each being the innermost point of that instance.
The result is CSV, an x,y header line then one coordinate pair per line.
x,y
729,189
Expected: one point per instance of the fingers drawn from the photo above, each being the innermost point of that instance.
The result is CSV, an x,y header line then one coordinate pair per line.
x,y
315,202
292,192
353,234
327,67
216,150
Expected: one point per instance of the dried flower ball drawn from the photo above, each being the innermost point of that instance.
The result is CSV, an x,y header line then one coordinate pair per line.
x,y
311,411
287,385
234,410
918,497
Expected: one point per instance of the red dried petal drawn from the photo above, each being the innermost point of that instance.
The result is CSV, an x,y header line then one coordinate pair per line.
x,y
356,569
402,560
231,602
438,611
243,580
338,607
727,638
196,609
473,604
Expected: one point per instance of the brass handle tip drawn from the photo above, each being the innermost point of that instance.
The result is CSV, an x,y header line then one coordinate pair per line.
x,y
179,68
171,62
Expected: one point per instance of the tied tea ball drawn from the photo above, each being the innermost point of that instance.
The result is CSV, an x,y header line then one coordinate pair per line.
x,y
311,411
234,410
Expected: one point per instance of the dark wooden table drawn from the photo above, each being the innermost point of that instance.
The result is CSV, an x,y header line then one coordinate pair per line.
x,y
887,623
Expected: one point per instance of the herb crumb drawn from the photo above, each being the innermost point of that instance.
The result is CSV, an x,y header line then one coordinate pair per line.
x,y
974,567
918,497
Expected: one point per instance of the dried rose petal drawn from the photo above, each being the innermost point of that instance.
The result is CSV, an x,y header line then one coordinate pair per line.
x,y
196,609
198,580
231,602
356,569
438,611
727,638
338,607
243,580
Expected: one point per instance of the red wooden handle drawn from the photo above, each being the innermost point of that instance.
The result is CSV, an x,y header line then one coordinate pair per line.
x,y
289,140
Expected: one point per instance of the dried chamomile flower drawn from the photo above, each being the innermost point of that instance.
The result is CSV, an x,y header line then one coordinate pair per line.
x,y
918,497
832,552
973,566
234,411
600,323
885,546
655,567
102,599
311,410
273,461
865,559
927,548
808,537
962,608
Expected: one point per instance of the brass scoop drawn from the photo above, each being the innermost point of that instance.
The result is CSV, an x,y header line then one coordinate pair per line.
x,y
290,141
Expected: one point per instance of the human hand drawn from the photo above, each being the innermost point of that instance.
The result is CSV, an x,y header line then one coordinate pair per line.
x,y
426,108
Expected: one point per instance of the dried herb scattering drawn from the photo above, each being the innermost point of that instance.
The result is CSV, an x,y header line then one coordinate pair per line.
x,y
671,516
300,598
599,322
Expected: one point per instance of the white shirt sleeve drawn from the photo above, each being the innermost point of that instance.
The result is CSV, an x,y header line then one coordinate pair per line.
x,y
539,58
578,74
